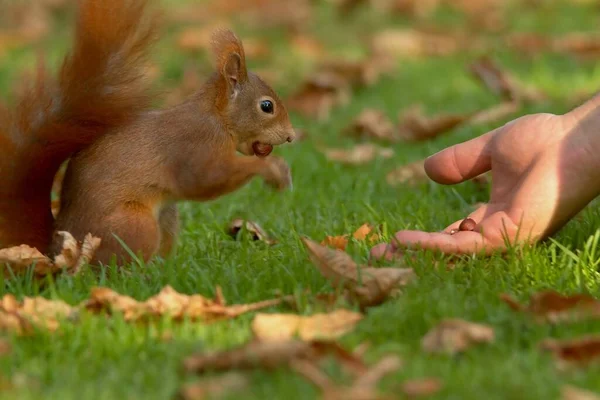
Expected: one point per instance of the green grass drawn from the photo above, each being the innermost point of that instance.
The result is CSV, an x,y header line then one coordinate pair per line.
x,y
98,358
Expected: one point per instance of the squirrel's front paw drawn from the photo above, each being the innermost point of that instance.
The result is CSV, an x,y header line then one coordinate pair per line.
x,y
278,173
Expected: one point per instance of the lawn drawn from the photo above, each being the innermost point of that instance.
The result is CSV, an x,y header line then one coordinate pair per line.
x,y
99,358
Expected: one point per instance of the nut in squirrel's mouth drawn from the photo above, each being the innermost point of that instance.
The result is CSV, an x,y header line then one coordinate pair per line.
x,y
261,149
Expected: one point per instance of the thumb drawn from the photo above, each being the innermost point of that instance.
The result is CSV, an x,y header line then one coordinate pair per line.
x,y
462,161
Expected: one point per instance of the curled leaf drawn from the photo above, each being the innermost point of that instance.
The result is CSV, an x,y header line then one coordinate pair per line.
x,y
170,303
455,336
257,232
368,286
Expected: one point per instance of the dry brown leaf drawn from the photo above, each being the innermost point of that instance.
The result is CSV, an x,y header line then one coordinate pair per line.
x,y
551,306
257,232
21,316
500,82
363,388
369,286
267,355
415,126
72,257
578,352
277,327
455,336
170,303
412,174
316,97
359,154
421,387
214,387
569,392
395,43
364,232
372,124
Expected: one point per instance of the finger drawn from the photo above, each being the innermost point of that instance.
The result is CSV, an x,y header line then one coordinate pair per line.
x,y
384,252
462,161
465,242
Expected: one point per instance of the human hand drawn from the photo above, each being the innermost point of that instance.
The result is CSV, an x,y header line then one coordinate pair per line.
x,y
543,173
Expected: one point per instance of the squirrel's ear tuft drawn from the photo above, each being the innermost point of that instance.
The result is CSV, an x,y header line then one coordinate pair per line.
x,y
230,58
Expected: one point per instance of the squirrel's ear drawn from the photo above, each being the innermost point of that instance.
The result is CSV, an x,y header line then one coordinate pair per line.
x,y
230,58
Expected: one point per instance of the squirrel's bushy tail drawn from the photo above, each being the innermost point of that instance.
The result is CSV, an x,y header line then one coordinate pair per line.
x,y
101,85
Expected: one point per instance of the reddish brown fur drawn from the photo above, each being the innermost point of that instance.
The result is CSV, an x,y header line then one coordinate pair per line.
x,y
127,183
100,86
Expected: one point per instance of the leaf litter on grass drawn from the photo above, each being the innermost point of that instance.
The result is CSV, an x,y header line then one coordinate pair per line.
x,y
367,286
551,306
574,353
73,256
364,232
455,336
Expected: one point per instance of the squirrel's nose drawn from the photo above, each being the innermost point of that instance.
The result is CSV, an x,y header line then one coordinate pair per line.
x,y
291,136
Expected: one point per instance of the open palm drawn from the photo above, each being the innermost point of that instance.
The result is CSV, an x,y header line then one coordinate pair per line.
x,y
542,175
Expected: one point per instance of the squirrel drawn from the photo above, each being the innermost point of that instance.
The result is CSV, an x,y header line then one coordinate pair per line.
x,y
123,187
100,85
128,164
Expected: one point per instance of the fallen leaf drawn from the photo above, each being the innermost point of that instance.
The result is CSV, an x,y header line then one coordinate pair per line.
x,y
578,352
372,124
359,154
72,257
258,354
363,388
551,306
214,387
397,43
21,316
500,82
369,286
337,242
579,44
362,232
411,174
455,336
421,387
257,232
569,392
277,327
170,303
316,97
415,126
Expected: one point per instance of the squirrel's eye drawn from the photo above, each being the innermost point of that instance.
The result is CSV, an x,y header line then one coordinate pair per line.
x,y
266,106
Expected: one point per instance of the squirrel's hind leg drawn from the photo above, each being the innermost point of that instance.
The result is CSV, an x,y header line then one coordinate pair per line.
x,y
136,227
168,221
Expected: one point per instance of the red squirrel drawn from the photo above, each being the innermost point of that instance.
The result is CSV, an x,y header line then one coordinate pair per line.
x,y
129,164
126,184
101,85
